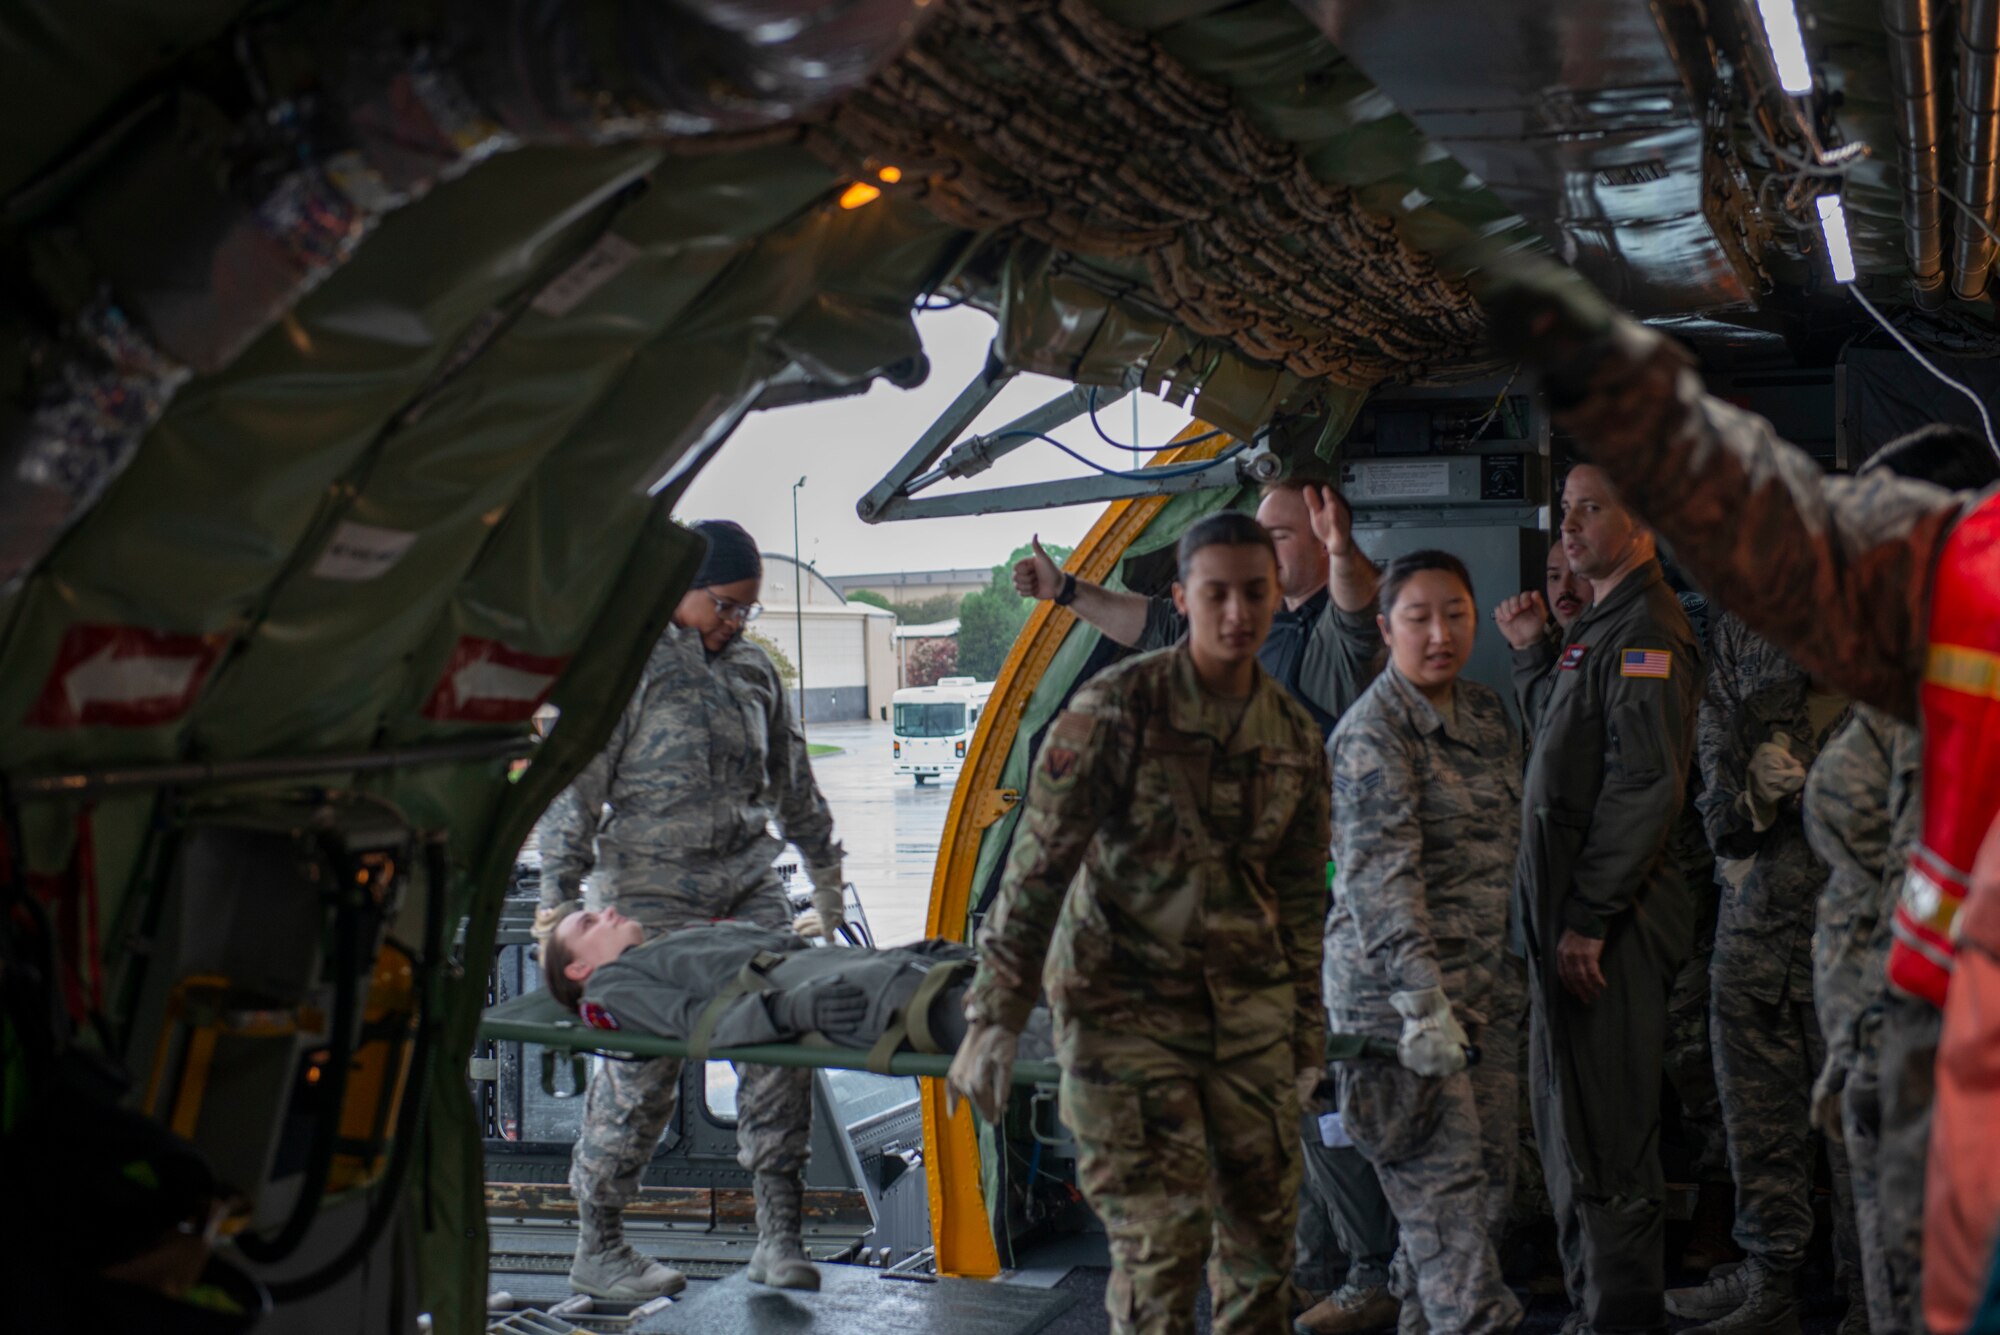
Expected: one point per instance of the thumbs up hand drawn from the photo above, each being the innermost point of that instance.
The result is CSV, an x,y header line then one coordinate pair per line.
x,y
1037,576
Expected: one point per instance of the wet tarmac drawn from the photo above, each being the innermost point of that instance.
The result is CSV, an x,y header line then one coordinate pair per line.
x,y
889,825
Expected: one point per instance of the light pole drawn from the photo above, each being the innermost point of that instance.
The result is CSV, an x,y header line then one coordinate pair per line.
x,y
799,601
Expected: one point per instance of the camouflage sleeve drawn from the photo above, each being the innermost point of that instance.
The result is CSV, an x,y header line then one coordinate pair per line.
x,y
1164,626
1834,571
567,832
1379,848
1299,873
1849,827
1081,775
1648,745
802,809
1718,750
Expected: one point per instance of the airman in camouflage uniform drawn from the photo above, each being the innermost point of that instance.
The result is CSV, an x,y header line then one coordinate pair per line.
x,y
1768,1046
1183,968
1425,830
1324,649
1690,1059
671,825
1863,816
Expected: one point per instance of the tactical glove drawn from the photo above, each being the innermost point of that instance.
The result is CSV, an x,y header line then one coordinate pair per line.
x,y
546,918
1773,775
830,899
1433,1041
833,1007
983,1071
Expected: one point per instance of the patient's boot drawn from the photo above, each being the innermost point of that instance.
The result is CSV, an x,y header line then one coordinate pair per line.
x,y
607,1266
780,1259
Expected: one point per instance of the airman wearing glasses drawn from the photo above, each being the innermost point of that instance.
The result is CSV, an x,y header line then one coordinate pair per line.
x,y
671,826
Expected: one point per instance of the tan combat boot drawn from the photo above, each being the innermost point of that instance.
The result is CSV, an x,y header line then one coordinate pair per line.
x,y
780,1259
1351,1310
608,1267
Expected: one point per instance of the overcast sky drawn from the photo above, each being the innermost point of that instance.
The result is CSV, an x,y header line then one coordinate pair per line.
x,y
843,448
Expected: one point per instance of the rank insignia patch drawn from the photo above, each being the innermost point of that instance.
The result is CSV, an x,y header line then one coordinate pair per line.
x,y
1572,658
1656,663
1354,789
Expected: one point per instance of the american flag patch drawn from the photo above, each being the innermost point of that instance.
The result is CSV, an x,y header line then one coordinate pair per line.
x,y
1646,663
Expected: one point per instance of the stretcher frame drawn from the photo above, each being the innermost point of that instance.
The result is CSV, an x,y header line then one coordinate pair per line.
x,y
538,1018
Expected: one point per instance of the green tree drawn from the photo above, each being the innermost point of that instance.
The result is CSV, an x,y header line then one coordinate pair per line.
x,y
787,673
928,612
990,620
872,598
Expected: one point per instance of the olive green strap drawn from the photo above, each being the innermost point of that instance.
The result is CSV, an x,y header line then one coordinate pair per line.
x,y
917,1010
750,978
885,1046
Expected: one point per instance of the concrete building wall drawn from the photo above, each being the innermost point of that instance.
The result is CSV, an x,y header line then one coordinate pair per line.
x,y
847,660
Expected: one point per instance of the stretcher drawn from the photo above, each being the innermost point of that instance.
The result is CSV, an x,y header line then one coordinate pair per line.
x,y
538,1018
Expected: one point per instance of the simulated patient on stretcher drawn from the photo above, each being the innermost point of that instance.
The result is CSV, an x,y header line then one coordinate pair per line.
x,y
734,984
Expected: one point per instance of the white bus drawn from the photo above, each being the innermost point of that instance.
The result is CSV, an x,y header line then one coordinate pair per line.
x,y
934,725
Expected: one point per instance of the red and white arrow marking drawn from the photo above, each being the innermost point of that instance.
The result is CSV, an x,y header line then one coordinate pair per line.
x,y
484,681
123,677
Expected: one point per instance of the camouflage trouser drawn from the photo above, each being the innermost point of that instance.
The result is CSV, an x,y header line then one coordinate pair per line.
x,y
1766,1059
1690,1065
1908,1085
1186,1157
630,1103
1448,1173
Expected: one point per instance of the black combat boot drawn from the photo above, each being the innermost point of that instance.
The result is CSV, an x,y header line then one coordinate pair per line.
x,y
1772,1307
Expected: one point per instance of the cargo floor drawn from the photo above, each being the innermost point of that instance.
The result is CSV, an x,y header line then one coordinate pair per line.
x,y
853,1300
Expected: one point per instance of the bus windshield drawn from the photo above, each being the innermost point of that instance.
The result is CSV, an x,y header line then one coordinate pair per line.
x,y
946,719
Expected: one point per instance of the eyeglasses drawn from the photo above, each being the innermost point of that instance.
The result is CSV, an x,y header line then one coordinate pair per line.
x,y
731,610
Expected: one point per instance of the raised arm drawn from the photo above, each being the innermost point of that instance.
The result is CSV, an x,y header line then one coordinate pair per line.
x,y
1124,617
1352,578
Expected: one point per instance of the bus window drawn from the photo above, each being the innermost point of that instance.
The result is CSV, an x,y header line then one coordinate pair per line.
x,y
939,719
